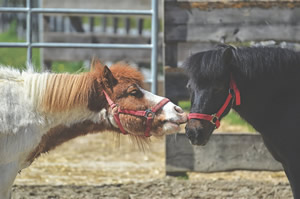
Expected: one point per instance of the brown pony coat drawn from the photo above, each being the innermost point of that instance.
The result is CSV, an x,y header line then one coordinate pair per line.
x,y
67,91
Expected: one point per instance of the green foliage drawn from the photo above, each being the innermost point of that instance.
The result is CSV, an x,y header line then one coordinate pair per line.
x,y
16,57
185,105
64,66
182,176
232,118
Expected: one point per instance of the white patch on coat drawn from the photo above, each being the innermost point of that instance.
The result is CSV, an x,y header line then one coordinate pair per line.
x,y
22,124
168,111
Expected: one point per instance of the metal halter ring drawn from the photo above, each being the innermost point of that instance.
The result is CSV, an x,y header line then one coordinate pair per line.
x,y
214,119
148,112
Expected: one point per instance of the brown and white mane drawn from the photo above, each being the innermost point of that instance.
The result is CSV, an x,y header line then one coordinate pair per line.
x,y
41,111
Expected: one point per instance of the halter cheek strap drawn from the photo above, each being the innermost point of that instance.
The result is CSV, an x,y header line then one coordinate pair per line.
x,y
215,118
149,114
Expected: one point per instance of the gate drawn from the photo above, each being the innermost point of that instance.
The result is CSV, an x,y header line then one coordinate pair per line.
x,y
29,44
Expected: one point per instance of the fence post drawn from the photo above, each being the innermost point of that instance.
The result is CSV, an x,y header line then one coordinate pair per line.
x,y
127,25
104,23
154,41
140,25
92,20
115,24
28,33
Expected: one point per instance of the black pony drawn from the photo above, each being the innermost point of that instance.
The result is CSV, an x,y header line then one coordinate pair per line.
x,y
268,82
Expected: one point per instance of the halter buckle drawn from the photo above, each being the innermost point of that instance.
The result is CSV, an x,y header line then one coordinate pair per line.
x,y
149,114
214,119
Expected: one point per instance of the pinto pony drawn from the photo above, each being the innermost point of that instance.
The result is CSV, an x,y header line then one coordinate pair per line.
x,y
41,111
262,85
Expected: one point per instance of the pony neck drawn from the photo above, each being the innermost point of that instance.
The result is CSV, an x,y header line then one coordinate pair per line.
x,y
65,91
64,98
259,97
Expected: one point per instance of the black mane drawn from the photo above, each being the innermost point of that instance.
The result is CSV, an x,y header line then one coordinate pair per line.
x,y
206,65
251,62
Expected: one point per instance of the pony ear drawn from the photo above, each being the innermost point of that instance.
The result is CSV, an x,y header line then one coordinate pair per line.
x,y
104,75
108,79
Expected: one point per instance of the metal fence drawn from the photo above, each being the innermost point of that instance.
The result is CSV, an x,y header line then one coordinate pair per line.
x,y
29,44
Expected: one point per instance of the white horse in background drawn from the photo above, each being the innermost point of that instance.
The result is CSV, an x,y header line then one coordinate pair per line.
x,y
39,111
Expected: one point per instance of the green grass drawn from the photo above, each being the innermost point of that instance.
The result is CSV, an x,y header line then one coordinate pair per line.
x,y
17,57
232,118
71,67
185,105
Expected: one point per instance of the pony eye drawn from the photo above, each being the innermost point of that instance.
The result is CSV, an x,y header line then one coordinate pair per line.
x,y
188,86
134,92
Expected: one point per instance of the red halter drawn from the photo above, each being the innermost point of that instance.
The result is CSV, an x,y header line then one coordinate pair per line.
x,y
215,118
149,114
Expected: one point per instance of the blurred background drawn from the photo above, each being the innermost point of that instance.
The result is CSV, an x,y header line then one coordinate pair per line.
x,y
185,27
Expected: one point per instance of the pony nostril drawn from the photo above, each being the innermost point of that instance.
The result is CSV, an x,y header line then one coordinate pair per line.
x,y
178,109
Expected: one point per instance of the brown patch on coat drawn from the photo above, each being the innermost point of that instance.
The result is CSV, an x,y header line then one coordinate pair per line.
x,y
128,77
126,73
66,91
60,134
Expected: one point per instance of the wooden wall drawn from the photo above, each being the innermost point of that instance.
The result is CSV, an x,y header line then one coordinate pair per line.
x,y
192,26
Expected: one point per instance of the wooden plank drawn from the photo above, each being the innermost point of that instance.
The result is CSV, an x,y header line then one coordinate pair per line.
x,y
175,83
232,21
95,4
73,54
105,55
238,4
234,33
175,13
224,152
171,54
93,38
186,49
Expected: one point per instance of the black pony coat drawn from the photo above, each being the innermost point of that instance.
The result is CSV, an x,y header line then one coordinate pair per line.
x,y
269,82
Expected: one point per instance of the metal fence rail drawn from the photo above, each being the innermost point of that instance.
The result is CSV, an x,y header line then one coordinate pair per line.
x,y
29,44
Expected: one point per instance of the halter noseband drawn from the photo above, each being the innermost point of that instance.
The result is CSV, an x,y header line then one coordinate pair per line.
x,y
149,114
215,118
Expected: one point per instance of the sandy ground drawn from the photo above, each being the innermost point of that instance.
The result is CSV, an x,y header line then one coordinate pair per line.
x,y
111,166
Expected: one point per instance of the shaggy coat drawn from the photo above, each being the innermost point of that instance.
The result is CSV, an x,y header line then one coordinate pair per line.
x,y
268,79
41,111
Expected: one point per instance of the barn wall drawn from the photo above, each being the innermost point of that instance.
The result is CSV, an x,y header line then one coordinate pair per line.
x,y
192,26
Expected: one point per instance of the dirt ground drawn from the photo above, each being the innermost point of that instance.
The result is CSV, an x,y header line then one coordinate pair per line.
x,y
111,166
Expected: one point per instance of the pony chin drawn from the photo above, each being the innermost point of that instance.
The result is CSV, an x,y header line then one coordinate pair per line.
x,y
170,127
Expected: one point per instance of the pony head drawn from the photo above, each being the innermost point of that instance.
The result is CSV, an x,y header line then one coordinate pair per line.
x,y
124,86
209,85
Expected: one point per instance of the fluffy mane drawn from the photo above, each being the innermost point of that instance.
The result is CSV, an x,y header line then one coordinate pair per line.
x,y
206,65
257,62
124,72
64,91
251,62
